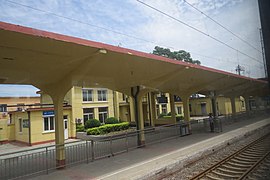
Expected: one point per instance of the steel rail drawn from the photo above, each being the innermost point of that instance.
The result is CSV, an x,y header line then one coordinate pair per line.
x,y
218,164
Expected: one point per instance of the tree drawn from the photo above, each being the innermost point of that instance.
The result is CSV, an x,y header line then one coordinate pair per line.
x,y
177,55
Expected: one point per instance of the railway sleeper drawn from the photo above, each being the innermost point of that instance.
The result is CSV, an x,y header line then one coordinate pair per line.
x,y
213,177
249,160
251,178
224,175
238,165
261,171
255,150
246,154
263,167
228,171
233,168
241,162
256,175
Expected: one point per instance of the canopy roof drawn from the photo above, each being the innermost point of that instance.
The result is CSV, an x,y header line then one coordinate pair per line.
x,y
42,59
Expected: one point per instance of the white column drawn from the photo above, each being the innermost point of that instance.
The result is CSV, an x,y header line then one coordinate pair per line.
x,y
232,98
172,104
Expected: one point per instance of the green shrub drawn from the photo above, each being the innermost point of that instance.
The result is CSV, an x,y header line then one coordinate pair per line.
x,y
111,120
93,131
162,115
169,114
79,128
178,118
107,128
91,123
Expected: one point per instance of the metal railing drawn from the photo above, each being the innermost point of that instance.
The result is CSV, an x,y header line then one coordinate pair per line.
x,y
43,159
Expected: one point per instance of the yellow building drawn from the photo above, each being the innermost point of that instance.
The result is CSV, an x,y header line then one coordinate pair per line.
x,y
88,103
7,104
201,106
34,125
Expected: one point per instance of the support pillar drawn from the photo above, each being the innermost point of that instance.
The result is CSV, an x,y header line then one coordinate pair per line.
x,y
138,111
116,104
214,105
59,131
152,108
172,104
132,110
57,92
185,100
247,105
257,102
232,98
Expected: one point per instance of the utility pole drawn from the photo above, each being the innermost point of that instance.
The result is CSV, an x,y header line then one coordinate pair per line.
x,y
263,55
264,6
238,69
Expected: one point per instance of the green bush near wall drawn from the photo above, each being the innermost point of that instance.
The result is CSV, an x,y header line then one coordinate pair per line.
x,y
91,123
107,128
111,120
80,128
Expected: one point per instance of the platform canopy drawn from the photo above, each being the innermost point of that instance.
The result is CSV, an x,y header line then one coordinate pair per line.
x,y
43,59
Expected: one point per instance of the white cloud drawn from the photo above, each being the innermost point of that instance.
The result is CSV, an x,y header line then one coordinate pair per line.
x,y
133,18
239,16
17,91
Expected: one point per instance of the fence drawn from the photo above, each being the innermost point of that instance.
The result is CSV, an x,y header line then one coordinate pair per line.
x,y
43,160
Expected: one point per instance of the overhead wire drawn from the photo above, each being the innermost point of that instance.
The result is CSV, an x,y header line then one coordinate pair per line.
x,y
198,30
106,29
81,22
218,23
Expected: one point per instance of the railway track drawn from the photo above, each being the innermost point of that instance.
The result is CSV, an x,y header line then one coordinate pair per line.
x,y
250,162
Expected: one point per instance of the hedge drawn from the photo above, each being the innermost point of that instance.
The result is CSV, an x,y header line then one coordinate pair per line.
x,y
111,120
162,115
80,128
107,128
91,123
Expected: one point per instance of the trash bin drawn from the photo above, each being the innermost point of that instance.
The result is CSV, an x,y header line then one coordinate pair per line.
x,y
184,130
217,125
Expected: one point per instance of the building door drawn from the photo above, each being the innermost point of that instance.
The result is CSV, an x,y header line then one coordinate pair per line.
x,y
66,127
203,108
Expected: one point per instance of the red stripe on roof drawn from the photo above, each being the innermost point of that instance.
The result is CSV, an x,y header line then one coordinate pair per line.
x,y
65,38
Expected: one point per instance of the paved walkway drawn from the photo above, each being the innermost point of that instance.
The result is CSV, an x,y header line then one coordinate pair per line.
x,y
15,146
140,162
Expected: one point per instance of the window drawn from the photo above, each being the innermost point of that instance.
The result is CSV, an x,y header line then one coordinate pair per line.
x,y
179,110
102,95
123,97
87,95
48,123
88,113
190,109
20,125
102,114
3,108
164,108
157,109
252,103
242,104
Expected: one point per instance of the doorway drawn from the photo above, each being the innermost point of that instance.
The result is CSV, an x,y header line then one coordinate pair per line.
x,y
203,108
66,127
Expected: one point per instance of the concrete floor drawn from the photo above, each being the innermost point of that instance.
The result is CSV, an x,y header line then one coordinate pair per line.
x,y
140,162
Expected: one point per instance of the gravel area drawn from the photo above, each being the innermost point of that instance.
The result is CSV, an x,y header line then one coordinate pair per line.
x,y
194,168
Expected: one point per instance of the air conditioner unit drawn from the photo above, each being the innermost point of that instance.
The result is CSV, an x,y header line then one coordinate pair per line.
x,y
4,114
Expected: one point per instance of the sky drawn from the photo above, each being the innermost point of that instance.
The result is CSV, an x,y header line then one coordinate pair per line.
x,y
133,25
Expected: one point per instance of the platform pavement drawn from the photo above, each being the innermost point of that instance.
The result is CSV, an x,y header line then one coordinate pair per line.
x,y
14,147
140,162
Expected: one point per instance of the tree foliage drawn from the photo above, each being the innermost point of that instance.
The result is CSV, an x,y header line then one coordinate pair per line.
x,y
177,55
